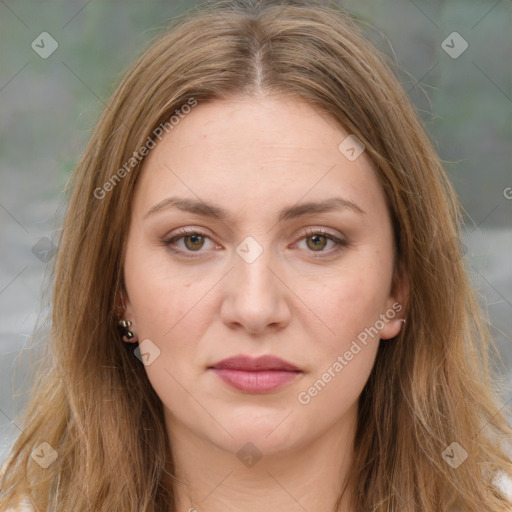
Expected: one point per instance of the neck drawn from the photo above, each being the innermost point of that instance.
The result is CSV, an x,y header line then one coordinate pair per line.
x,y
306,477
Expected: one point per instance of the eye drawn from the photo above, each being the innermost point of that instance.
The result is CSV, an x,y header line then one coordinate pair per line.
x,y
318,239
193,240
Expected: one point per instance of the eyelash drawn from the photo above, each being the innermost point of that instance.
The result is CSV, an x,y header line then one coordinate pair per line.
x,y
182,233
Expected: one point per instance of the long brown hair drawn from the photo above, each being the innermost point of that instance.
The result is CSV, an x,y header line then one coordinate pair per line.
x,y
430,387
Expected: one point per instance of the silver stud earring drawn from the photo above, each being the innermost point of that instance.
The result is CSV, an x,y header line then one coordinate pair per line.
x,y
124,325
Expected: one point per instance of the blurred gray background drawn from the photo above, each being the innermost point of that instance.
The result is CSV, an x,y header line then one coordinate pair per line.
x,y
50,101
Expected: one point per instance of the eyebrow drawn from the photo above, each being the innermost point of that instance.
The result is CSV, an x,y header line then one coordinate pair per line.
x,y
210,210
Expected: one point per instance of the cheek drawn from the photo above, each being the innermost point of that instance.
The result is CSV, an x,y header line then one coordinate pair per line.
x,y
174,316
335,390
343,361
171,307
350,299
349,302
169,313
158,298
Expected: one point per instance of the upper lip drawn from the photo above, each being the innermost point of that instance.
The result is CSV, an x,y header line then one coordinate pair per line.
x,y
248,363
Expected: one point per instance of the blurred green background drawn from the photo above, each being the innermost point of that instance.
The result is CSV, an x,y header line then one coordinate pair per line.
x,y
49,106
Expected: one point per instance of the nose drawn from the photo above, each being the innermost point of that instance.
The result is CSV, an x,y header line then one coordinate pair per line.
x,y
255,296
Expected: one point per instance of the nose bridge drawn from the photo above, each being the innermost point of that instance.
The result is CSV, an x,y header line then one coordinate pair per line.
x,y
251,268
255,298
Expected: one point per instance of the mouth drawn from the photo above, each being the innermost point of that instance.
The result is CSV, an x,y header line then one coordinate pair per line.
x,y
256,375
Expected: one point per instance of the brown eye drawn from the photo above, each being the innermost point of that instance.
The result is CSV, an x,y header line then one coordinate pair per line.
x,y
188,242
318,242
193,242
322,242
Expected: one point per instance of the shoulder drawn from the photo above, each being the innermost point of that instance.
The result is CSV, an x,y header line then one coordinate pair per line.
x,y
504,482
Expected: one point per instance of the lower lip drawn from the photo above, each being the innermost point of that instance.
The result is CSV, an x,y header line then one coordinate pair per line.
x,y
256,381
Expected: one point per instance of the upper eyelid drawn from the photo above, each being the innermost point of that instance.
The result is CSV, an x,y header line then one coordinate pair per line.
x,y
182,232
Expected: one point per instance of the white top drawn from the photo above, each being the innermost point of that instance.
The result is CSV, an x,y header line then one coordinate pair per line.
x,y
24,506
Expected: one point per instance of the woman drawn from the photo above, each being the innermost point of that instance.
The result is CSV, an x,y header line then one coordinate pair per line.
x,y
260,300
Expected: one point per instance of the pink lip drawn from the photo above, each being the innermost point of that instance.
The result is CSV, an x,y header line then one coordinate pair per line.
x,y
255,375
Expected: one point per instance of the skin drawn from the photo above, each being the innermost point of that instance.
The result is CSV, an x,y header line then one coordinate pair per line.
x,y
255,157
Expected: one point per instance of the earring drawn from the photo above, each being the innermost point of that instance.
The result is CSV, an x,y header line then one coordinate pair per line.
x,y
124,325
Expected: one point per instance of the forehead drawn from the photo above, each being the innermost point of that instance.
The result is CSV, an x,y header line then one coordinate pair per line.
x,y
262,127
254,152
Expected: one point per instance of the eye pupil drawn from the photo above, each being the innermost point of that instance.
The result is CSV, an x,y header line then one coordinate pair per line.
x,y
196,239
316,239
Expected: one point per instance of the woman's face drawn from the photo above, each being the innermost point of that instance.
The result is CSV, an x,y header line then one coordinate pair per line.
x,y
258,273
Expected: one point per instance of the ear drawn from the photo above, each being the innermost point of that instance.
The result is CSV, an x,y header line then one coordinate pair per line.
x,y
124,312
396,304
123,305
